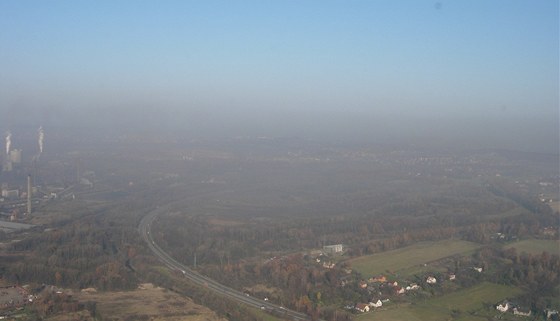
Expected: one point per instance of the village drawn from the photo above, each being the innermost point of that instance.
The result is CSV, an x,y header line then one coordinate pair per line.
x,y
391,289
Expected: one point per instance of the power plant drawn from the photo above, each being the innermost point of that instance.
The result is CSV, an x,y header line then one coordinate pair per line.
x,y
15,194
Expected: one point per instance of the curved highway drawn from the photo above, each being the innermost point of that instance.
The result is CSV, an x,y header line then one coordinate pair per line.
x,y
144,229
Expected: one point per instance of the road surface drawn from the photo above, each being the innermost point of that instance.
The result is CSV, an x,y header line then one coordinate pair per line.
x,y
144,229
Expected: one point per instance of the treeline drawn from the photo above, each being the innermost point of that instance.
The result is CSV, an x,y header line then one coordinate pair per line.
x,y
369,224
186,237
93,250
298,282
527,200
539,273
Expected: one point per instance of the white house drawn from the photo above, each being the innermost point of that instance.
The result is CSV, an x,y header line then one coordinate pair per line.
x,y
376,304
550,313
503,307
412,286
431,280
521,312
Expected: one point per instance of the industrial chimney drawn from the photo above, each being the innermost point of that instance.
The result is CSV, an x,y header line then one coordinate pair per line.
x,y
29,194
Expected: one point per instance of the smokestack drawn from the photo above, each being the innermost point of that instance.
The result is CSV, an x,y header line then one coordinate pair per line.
x,y
8,143
41,138
28,194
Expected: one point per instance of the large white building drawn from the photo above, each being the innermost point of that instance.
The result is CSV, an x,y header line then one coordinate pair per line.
x,y
10,193
332,249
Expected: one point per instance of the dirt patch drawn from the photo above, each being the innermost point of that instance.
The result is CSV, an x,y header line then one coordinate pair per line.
x,y
148,303
12,297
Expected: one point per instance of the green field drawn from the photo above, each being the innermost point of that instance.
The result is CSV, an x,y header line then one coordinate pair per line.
x,y
536,246
410,259
468,304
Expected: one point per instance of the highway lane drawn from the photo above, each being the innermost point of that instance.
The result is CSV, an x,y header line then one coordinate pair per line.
x,y
144,229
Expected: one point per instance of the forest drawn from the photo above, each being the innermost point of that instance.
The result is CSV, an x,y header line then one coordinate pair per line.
x,y
258,224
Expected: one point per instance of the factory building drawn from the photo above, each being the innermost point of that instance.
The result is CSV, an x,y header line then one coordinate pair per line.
x,y
10,193
15,156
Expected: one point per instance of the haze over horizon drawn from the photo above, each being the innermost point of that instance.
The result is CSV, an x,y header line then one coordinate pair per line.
x,y
474,74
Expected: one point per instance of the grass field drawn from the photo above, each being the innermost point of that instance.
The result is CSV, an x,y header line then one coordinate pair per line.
x,y
536,246
410,259
468,305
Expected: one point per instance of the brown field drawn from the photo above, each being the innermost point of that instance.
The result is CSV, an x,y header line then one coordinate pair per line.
x,y
148,303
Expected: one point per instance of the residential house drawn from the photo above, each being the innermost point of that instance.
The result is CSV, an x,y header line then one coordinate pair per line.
x,y
362,307
399,290
452,277
550,231
551,314
431,280
412,287
521,312
504,306
376,304
380,279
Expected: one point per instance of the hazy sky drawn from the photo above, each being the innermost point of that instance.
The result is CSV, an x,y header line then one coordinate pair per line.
x,y
376,68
